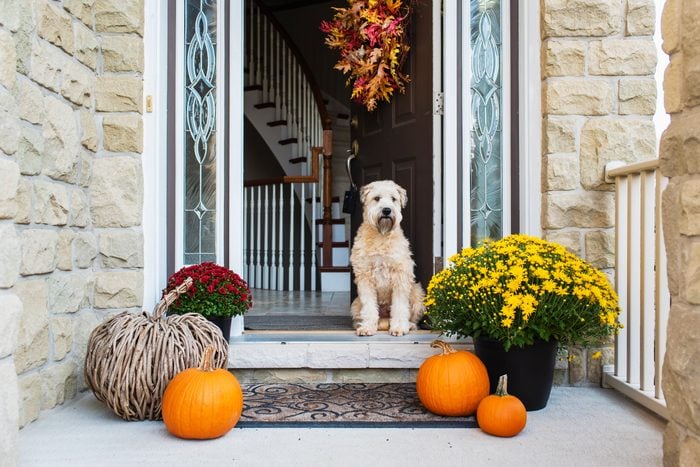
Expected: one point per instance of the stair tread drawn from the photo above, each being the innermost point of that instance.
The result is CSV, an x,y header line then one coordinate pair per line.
x,y
277,123
265,105
334,268
297,160
287,140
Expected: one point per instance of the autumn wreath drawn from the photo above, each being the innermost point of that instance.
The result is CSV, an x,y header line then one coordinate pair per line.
x,y
371,37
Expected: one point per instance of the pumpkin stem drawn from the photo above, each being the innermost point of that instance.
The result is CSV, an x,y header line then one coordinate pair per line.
x,y
444,346
502,389
171,296
207,361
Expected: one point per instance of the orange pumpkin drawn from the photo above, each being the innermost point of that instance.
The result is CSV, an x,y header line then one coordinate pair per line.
x,y
452,383
202,403
501,414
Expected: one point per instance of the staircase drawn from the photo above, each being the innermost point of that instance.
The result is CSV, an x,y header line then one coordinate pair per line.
x,y
290,244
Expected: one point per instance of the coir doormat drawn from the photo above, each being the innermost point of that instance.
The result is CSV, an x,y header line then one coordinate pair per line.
x,y
346,405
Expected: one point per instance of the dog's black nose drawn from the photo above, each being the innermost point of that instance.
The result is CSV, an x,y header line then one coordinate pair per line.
x,y
386,211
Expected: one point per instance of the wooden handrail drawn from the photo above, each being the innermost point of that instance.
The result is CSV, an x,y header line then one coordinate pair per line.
x,y
287,179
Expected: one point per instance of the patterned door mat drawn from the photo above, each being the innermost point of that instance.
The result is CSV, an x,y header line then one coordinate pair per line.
x,y
298,322
340,405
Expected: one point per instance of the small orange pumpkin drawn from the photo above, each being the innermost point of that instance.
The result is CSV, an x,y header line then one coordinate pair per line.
x,y
452,383
501,414
202,403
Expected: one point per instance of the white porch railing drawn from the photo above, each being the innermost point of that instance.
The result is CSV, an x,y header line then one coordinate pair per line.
x,y
641,283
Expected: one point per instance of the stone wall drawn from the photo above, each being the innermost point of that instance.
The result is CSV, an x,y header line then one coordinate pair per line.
x,y
71,192
680,161
598,100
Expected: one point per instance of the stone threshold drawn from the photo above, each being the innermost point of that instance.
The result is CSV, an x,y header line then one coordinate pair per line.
x,y
333,350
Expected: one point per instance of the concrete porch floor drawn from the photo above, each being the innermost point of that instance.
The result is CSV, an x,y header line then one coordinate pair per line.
x,y
579,427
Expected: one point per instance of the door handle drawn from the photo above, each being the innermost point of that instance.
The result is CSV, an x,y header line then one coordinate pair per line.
x,y
353,151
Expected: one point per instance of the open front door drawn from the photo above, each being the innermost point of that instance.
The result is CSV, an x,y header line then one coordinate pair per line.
x,y
395,142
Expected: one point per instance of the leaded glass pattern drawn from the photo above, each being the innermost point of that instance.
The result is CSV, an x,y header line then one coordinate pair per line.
x,y
200,132
486,198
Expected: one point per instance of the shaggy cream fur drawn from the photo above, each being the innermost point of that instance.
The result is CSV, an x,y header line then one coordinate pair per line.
x,y
383,266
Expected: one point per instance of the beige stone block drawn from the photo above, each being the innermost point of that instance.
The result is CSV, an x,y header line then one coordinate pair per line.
x,y
119,93
613,139
38,251
594,370
23,200
81,9
30,398
30,101
79,209
30,150
673,85
9,182
9,414
10,256
61,331
569,239
50,203
122,53
116,192
637,96
118,289
691,78
9,125
88,126
59,384
54,25
560,134
689,451
671,160
69,293
578,209
577,365
373,375
690,32
561,172
671,214
619,57
123,133
85,247
85,162
641,15
46,64
577,96
563,58
11,17
121,249
692,275
78,84
62,143
681,373
86,45
119,16
24,36
83,325
33,338
600,248
10,314
671,26
671,443
8,59
564,18
690,207
281,375
64,250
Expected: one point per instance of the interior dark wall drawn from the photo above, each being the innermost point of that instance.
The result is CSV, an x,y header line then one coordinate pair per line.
x,y
259,162
302,24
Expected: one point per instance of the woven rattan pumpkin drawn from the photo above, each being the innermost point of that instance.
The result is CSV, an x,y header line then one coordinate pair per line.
x,y
131,357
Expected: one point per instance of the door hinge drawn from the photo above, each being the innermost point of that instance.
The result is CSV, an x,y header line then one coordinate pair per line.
x,y
439,103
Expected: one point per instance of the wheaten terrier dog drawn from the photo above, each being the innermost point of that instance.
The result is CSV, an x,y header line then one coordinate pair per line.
x,y
383,266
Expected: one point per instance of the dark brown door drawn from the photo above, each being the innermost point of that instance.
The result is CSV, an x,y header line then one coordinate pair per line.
x,y
395,142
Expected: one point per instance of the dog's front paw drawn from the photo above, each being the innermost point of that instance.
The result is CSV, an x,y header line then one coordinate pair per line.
x,y
363,330
399,329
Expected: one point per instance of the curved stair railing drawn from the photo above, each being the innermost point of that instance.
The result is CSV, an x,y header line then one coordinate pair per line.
x,y
279,78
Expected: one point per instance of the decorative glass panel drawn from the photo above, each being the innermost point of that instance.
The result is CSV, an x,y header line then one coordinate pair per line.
x,y
487,127
200,132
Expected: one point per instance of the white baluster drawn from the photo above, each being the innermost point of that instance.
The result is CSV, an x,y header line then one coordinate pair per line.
x,y
258,249
313,235
246,249
280,250
265,57
291,237
266,250
663,298
274,235
302,238
634,284
258,72
646,291
278,97
251,282
621,272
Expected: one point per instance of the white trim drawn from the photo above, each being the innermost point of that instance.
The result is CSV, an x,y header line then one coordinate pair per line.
x,y
437,131
221,90
466,127
235,138
450,128
179,131
529,103
506,109
154,158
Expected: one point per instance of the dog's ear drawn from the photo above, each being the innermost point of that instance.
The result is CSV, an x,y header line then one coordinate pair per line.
x,y
364,192
403,196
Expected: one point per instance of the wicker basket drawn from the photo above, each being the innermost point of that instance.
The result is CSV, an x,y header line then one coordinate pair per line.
x,y
131,357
